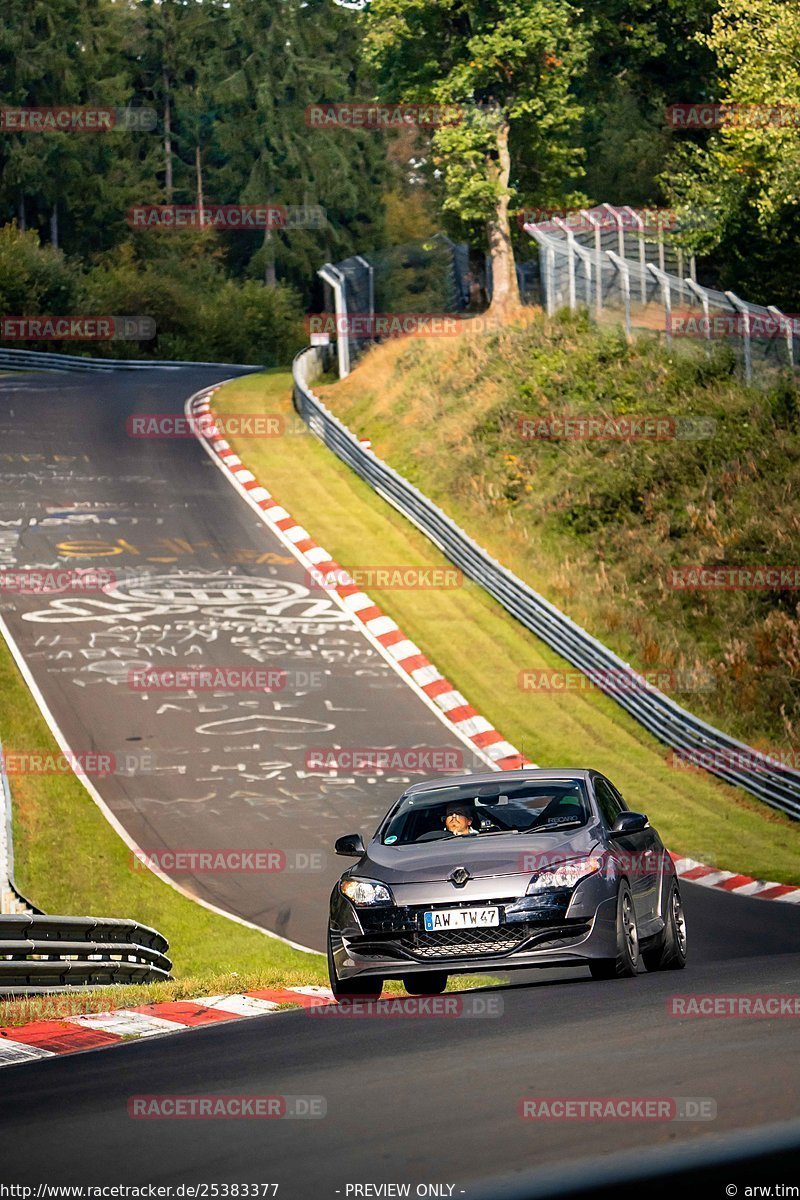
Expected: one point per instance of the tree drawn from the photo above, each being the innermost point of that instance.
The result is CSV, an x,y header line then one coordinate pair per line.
x,y
745,179
509,65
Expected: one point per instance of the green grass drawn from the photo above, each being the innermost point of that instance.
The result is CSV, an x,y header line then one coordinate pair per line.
x,y
482,649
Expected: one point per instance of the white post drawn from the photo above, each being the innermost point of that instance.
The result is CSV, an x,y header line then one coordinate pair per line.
x,y
334,277
776,312
702,296
642,255
598,258
570,259
620,228
371,291
622,267
666,298
740,307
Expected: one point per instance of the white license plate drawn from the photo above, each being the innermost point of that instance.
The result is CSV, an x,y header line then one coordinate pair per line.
x,y
461,918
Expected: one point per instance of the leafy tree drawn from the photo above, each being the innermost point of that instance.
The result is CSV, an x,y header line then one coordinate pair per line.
x,y
746,177
510,64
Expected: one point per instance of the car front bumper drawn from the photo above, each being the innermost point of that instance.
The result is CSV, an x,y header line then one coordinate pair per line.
x,y
393,945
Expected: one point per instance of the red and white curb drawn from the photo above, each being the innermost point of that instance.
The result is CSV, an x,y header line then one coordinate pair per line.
x,y
90,1031
409,659
728,881
384,633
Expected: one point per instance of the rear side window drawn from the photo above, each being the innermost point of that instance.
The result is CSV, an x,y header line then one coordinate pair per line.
x,y
608,803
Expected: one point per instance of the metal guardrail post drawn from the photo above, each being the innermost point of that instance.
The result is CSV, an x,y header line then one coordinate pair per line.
x,y
336,281
740,307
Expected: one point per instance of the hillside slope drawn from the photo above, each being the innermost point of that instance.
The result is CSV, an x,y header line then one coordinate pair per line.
x,y
604,528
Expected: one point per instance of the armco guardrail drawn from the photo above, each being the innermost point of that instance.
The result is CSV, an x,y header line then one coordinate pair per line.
x,y
723,756
35,360
45,952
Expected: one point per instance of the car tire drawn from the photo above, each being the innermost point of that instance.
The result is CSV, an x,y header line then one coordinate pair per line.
x,y
427,983
367,988
626,961
669,953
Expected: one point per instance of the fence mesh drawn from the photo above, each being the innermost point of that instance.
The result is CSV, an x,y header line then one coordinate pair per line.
x,y
609,261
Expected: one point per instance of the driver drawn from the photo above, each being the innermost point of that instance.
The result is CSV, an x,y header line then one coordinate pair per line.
x,y
458,820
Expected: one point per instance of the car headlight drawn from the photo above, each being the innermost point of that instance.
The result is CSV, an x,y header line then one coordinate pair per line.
x,y
364,892
565,875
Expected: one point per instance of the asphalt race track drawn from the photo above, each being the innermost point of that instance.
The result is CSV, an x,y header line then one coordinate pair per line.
x,y
429,1100
416,1100
199,581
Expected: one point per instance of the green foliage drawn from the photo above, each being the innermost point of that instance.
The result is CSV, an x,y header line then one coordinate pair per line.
x,y
33,279
746,176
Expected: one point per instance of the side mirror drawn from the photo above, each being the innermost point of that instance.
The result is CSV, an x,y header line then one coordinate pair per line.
x,y
629,822
352,844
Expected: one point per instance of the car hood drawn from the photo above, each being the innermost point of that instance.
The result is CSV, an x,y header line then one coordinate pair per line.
x,y
495,854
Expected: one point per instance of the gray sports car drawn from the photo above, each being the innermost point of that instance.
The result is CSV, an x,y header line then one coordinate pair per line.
x,y
529,868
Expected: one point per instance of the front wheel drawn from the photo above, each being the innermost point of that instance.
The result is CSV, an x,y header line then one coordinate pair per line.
x,y
367,988
669,954
627,957
426,983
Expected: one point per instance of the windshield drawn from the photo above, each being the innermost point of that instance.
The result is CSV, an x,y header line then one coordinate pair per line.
x,y
485,810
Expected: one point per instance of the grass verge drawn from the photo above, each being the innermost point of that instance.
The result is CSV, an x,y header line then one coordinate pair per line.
x,y
482,649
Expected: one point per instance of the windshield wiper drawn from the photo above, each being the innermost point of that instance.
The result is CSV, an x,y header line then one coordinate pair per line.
x,y
567,823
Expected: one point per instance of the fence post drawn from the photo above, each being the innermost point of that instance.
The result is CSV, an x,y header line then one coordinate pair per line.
x,y
370,293
642,255
335,279
598,258
776,312
741,307
702,296
620,228
666,299
625,276
570,259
